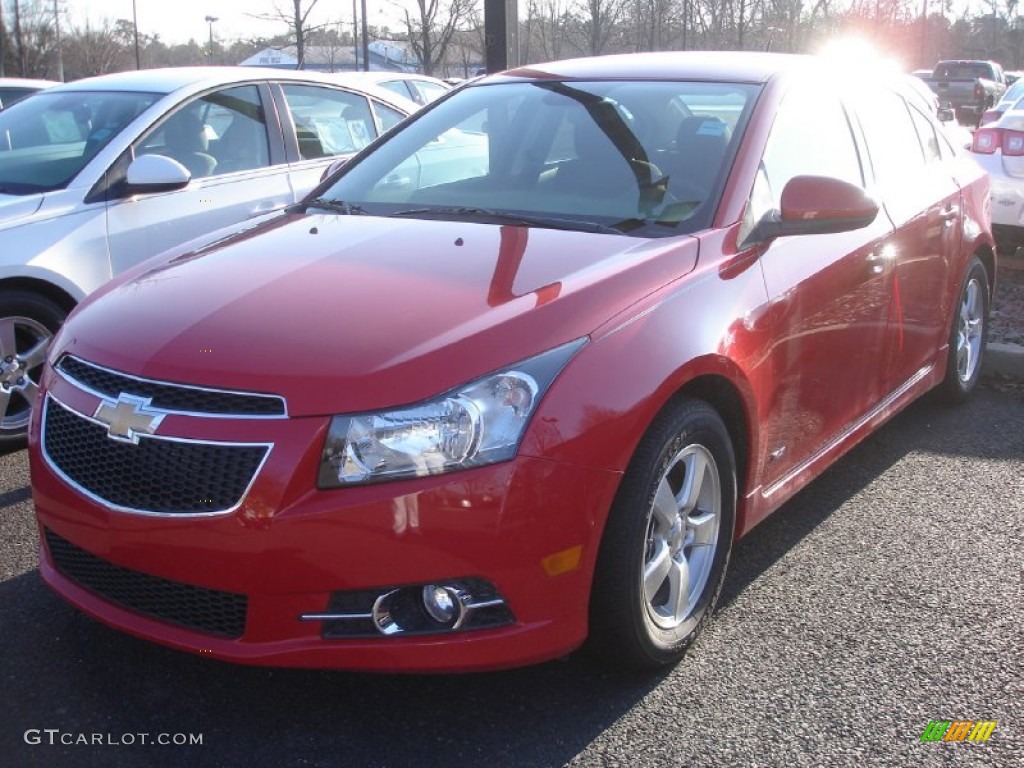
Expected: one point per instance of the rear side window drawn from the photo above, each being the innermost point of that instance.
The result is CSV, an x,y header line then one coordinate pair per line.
x,y
328,121
893,139
928,136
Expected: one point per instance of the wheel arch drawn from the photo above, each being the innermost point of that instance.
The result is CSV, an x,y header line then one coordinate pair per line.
x,y
987,256
53,292
722,394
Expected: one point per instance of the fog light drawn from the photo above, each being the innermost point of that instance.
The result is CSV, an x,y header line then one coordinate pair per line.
x,y
441,603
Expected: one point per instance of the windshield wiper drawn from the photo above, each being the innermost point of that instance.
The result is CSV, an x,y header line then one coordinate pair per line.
x,y
526,220
328,204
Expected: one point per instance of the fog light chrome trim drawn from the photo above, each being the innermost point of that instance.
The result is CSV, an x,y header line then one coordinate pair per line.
x,y
402,611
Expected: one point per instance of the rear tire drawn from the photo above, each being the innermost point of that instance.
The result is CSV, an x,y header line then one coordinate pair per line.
x,y
666,545
27,325
968,335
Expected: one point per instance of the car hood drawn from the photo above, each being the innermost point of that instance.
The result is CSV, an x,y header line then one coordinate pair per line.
x,y
350,313
13,208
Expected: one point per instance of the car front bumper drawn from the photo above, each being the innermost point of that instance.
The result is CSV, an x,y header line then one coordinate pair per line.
x,y
289,553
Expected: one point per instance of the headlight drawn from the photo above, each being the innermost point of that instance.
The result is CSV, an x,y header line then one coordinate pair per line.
x,y
479,423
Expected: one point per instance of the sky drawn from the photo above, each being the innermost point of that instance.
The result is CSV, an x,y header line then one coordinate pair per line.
x,y
176,21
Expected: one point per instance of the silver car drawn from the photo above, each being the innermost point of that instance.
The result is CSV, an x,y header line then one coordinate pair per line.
x,y
14,89
103,173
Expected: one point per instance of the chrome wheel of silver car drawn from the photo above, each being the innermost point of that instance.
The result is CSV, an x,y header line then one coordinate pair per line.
x,y
969,330
27,325
23,345
681,536
666,544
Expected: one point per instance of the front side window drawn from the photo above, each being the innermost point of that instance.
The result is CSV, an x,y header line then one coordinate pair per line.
x,y
644,158
49,139
328,121
222,132
810,136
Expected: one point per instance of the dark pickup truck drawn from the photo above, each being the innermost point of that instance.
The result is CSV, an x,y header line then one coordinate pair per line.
x,y
969,87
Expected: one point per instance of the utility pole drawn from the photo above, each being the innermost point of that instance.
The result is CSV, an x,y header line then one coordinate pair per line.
x,y
3,41
60,53
366,40
19,40
355,34
501,34
135,27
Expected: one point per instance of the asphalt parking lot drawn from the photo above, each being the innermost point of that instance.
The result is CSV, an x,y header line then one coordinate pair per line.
x,y
887,595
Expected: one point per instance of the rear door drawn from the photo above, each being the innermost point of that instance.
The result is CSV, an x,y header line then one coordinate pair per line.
x,y
915,180
322,124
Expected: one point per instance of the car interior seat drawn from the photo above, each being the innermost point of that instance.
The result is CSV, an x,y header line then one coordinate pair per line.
x,y
242,146
701,145
186,142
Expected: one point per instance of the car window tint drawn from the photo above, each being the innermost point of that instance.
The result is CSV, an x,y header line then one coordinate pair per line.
x,y
237,128
223,132
895,146
429,91
328,121
48,139
388,117
401,88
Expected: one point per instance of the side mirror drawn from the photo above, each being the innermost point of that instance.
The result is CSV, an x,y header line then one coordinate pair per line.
x,y
156,173
816,205
332,168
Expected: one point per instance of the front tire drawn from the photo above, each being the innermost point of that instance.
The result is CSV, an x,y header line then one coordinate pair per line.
x,y
27,325
666,545
968,335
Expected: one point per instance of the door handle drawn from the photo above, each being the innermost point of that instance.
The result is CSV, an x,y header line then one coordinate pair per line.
x,y
268,207
876,263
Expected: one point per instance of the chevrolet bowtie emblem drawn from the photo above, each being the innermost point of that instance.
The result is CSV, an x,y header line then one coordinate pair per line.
x,y
128,418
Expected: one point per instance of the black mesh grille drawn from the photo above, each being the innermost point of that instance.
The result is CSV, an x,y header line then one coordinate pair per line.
x,y
155,475
170,397
198,608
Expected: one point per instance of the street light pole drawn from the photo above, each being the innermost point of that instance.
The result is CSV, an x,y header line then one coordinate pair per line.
x,y
210,20
135,27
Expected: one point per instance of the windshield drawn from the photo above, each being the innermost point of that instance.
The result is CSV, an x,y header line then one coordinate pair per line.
x,y
46,140
644,158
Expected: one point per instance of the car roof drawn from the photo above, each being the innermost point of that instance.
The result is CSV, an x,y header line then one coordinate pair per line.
x,y
167,80
383,76
738,66
26,82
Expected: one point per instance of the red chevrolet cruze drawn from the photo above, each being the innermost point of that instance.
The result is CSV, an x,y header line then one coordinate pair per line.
x,y
519,375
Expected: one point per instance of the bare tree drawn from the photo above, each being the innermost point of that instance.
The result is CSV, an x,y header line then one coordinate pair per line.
x,y
296,18
652,22
96,50
33,37
600,20
430,27
548,23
